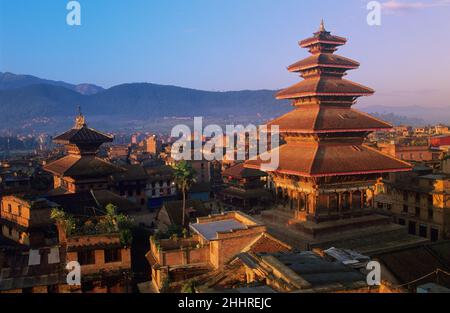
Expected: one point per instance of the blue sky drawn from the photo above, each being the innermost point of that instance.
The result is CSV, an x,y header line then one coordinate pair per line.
x,y
229,44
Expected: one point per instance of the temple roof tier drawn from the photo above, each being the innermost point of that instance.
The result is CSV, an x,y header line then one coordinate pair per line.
x,y
82,135
322,41
327,119
81,167
324,86
314,159
327,60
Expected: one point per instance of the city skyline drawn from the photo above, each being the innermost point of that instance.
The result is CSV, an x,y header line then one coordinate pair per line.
x,y
216,46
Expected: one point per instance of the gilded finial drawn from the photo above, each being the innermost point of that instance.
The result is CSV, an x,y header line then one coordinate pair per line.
x,y
322,26
80,120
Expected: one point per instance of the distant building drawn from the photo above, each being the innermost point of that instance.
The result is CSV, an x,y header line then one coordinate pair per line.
x,y
418,200
118,152
131,184
160,186
440,141
441,130
153,144
411,153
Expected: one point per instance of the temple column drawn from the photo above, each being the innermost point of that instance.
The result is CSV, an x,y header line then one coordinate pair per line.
x,y
351,202
362,199
339,205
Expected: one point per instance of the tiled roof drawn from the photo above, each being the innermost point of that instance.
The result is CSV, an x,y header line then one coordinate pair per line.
x,y
239,171
327,159
82,135
324,86
315,118
91,203
131,172
81,166
174,210
323,37
410,264
323,60
268,244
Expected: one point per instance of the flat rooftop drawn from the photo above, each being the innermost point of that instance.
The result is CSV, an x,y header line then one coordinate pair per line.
x,y
209,230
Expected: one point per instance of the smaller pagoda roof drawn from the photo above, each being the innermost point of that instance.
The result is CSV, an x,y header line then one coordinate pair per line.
x,y
81,167
324,86
314,159
82,135
326,119
324,60
323,36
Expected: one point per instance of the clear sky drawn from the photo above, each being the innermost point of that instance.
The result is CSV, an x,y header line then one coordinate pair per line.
x,y
229,44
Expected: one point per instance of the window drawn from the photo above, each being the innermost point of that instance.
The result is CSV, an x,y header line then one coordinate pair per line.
x,y
86,257
405,208
19,209
412,228
417,198
423,231
401,221
430,200
405,196
112,255
417,211
434,234
430,214
9,208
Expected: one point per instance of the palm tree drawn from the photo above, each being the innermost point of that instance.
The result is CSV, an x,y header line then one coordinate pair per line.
x,y
184,177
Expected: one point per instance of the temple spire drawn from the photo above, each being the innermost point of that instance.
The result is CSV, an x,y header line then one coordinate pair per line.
x,y
80,120
322,26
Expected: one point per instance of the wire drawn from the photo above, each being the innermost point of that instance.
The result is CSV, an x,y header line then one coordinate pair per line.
x,y
435,272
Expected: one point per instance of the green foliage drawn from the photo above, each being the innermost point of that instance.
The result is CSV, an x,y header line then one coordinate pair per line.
x,y
108,224
67,221
188,287
173,230
184,175
165,285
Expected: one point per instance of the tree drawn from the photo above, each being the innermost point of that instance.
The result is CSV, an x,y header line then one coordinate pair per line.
x,y
184,176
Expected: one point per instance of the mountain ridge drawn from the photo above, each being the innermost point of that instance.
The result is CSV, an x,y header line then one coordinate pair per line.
x,y
25,97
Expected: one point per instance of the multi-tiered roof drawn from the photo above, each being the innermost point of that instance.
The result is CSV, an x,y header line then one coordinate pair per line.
x,y
324,135
82,144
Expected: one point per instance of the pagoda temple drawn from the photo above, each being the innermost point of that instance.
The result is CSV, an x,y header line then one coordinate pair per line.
x,y
326,175
81,170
